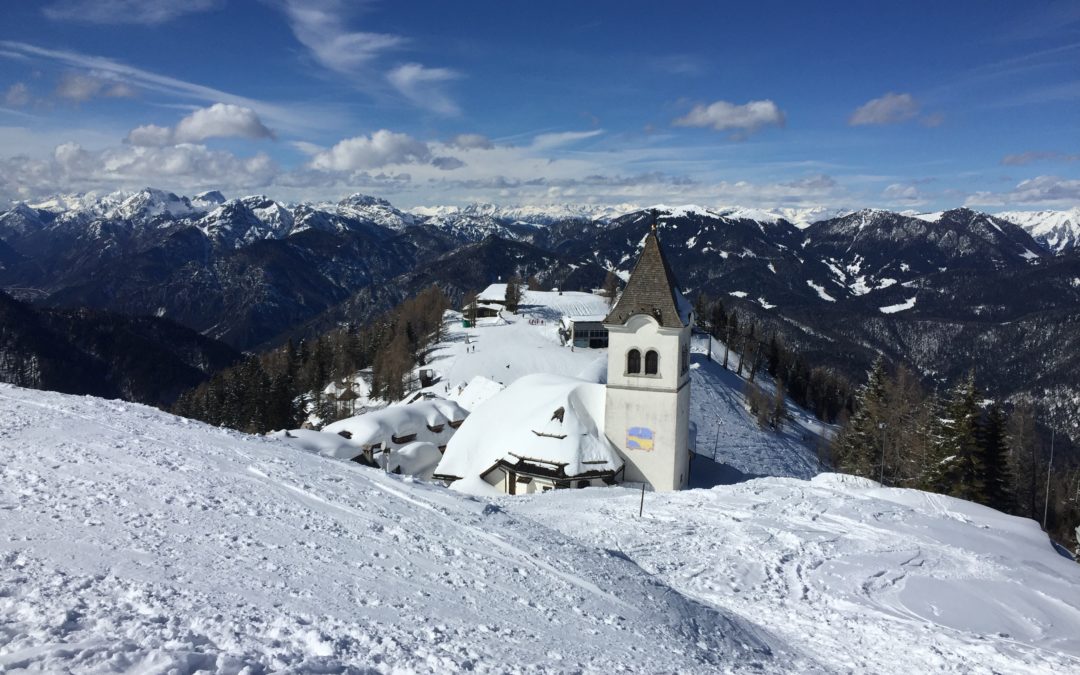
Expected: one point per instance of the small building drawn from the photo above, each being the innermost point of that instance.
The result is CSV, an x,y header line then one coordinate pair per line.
x,y
491,301
543,432
584,332
376,437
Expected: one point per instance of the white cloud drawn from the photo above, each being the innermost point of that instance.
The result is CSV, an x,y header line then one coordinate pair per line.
x,y
742,120
221,120
150,135
319,25
888,109
309,149
17,95
382,148
421,85
899,193
471,141
79,88
147,12
1049,191
181,167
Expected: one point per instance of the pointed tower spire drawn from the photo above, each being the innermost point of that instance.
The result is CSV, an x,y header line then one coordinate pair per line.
x,y
652,289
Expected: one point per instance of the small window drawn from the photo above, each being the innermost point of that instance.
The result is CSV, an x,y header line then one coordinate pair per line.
x,y
652,362
633,361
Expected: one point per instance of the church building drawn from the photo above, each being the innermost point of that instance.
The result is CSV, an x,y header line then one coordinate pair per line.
x,y
548,432
647,406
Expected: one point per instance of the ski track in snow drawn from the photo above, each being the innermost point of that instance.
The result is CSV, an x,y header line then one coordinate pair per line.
x,y
861,578
131,540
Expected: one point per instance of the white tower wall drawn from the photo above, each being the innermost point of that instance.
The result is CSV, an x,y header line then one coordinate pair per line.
x,y
650,410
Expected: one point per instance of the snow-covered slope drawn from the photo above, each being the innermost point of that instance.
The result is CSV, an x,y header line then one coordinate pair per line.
x,y
863,579
1056,230
132,540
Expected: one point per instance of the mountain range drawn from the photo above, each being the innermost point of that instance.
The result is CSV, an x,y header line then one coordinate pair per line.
x,y
943,292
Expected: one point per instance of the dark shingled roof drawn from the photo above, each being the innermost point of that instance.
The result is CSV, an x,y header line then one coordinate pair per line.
x,y
651,290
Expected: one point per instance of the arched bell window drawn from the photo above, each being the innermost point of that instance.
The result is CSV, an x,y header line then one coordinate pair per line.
x,y
633,362
652,362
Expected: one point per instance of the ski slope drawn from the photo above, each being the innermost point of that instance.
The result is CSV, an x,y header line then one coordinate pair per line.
x,y
132,540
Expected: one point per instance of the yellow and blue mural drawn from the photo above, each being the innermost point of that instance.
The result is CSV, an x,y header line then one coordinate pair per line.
x,y
639,438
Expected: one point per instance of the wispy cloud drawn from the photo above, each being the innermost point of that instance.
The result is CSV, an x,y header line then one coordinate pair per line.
x,y
422,86
1032,156
221,120
17,95
557,139
320,25
147,12
294,117
79,88
742,120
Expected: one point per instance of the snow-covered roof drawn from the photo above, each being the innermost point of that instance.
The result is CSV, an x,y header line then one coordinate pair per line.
x,y
574,304
380,426
586,318
521,423
493,293
478,390
319,442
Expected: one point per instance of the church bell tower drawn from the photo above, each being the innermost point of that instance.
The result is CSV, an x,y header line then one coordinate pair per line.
x,y
647,411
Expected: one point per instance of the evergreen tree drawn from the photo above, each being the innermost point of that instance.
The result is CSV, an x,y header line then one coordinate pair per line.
x,y
857,448
513,294
611,287
960,469
731,335
1024,466
997,479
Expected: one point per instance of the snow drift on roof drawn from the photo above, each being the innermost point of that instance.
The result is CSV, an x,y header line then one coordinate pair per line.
x,y
403,420
521,420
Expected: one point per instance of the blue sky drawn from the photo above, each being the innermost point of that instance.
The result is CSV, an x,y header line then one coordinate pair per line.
x,y
906,105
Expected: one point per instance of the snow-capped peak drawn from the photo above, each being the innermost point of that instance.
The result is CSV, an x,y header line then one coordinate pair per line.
x,y
1056,230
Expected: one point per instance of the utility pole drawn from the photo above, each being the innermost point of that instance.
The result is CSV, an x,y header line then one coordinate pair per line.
x,y
881,479
1050,465
641,508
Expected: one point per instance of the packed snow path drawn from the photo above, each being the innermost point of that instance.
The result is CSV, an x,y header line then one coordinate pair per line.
x,y
132,540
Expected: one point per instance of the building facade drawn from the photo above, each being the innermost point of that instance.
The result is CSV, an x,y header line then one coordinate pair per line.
x,y
647,409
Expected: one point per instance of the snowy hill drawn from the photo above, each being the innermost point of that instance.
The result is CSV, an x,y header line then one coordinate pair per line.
x,y
135,540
